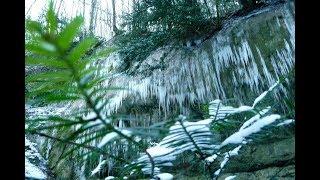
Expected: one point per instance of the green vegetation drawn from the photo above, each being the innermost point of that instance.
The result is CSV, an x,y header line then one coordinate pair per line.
x,y
154,24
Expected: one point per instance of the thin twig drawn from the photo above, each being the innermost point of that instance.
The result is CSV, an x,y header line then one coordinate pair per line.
x,y
30,7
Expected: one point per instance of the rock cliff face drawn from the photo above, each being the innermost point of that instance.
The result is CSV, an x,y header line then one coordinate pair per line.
x,y
246,57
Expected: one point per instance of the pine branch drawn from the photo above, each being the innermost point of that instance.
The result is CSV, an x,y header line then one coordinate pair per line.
x,y
98,111
58,47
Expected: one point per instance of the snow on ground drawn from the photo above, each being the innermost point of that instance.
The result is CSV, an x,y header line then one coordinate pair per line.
x,y
34,162
32,171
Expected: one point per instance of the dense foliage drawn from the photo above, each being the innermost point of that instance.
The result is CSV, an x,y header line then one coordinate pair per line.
x,y
176,23
153,24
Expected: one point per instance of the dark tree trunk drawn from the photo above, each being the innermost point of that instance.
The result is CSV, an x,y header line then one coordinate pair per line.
x,y
114,20
92,16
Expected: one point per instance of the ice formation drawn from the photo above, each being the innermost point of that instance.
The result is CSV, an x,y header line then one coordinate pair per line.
x,y
218,68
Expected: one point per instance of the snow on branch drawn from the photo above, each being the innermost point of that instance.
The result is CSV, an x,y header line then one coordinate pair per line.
x,y
227,156
98,168
182,136
239,136
219,111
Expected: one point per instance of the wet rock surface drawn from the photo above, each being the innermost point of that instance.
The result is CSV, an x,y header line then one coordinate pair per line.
x,y
263,161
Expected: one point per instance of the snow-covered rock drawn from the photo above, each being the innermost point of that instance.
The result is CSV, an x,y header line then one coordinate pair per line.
x,y
35,164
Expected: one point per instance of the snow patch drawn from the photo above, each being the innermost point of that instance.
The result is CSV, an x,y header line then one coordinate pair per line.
x,y
107,138
165,176
34,162
240,135
31,171
109,177
210,159
254,118
230,177
227,156
259,98
288,121
158,151
98,168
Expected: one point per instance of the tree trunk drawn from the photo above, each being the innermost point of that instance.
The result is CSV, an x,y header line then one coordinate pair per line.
x,y
84,8
114,22
218,13
92,16
59,7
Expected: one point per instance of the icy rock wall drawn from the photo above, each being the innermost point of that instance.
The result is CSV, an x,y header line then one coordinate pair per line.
x,y
242,60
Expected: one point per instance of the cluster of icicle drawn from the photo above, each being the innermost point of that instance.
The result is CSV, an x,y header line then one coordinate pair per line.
x,y
216,68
